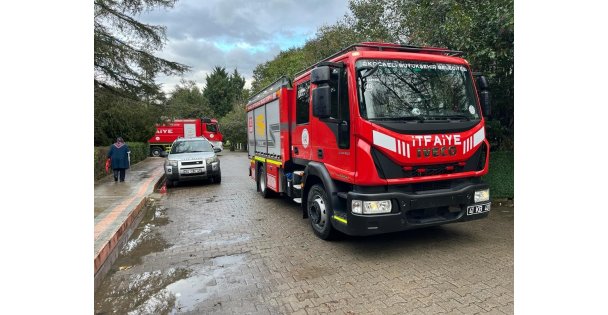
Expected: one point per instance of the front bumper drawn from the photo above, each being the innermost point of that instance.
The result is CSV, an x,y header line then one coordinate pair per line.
x,y
411,210
196,172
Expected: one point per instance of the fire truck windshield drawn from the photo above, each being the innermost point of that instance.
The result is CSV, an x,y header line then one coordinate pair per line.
x,y
415,91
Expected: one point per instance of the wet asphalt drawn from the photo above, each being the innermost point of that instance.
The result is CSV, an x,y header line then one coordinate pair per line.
x,y
221,248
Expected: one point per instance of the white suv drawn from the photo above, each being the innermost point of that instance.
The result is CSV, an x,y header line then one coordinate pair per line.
x,y
192,159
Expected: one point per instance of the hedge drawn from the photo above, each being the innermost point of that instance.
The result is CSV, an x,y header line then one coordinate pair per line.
x,y
139,152
500,177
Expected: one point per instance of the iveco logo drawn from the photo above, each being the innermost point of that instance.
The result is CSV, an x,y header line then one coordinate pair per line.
x,y
436,151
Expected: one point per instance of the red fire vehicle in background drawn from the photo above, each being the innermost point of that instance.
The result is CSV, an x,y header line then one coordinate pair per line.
x,y
184,128
376,138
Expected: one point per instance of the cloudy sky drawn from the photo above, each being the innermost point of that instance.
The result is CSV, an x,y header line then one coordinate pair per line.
x,y
237,33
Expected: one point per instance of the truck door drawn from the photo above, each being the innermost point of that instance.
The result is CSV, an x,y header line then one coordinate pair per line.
x,y
300,137
332,135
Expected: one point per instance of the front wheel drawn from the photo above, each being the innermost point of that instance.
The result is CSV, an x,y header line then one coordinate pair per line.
x,y
319,212
217,178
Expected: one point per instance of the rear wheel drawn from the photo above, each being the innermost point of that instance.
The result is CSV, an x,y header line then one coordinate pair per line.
x,y
156,151
262,185
319,212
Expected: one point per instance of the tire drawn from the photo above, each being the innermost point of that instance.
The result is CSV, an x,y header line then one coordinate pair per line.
x,y
156,151
319,211
262,185
217,178
169,183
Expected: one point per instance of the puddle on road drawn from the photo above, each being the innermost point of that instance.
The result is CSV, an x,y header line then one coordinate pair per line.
x,y
146,239
171,291
142,294
201,232
198,288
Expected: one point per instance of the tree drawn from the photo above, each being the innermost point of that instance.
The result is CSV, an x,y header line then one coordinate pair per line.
x,y
287,63
117,116
187,101
222,90
484,31
237,83
234,124
123,48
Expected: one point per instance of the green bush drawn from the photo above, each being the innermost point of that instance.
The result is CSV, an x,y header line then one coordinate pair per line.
x,y
139,152
500,177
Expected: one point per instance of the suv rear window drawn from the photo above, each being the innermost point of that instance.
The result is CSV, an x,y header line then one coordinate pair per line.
x,y
191,146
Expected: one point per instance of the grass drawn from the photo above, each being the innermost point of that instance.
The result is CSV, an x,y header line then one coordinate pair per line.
x,y
500,177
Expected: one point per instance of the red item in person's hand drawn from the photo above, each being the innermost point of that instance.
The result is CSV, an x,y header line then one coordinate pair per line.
x,y
107,165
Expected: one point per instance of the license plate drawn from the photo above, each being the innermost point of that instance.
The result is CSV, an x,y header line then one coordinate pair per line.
x,y
472,210
192,171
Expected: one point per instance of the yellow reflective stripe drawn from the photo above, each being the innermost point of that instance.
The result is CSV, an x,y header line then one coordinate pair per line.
x,y
261,159
274,162
339,219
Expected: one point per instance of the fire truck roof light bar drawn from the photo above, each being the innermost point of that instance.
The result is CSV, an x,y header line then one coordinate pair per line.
x,y
406,48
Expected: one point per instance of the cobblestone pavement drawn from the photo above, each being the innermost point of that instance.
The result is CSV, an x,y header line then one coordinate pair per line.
x,y
223,249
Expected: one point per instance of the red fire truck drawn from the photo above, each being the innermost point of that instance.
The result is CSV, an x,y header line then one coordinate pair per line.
x,y
376,138
184,128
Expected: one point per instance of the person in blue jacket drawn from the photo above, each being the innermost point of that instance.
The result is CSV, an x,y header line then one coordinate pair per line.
x,y
119,157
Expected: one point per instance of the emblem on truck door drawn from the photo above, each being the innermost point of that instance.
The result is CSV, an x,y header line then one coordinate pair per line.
x,y
305,138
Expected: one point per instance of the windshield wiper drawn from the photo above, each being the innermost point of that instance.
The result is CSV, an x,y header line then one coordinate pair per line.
x,y
449,117
461,117
406,118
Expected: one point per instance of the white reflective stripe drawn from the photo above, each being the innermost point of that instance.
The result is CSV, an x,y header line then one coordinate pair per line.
x,y
479,136
403,149
408,150
383,140
464,146
399,146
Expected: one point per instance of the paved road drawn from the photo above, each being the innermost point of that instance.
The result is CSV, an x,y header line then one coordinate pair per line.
x,y
209,248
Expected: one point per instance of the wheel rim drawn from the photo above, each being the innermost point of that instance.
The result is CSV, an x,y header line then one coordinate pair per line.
x,y
156,153
262,182
318,212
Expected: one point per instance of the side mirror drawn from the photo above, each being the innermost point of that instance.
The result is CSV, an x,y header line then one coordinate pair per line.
x,y
321,98
484,95
320,75
216,150
482,83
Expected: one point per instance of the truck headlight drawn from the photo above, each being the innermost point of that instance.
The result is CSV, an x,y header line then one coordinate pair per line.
x,y
357,206
482,195
172,162
371,207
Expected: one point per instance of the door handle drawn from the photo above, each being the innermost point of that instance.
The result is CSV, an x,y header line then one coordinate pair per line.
x,y
295,150
320,153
